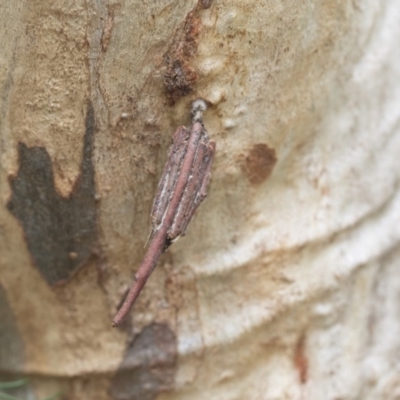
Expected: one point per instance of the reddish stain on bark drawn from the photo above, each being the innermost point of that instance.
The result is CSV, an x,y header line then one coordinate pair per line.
x,y
180,77
301,361
259,162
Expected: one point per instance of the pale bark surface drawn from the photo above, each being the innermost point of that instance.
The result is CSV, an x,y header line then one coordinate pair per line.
x,y
287,284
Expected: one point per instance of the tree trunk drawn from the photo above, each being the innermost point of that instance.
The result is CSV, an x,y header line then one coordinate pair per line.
x,y
286,285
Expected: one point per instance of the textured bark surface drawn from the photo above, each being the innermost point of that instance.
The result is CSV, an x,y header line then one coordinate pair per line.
x,y
286,285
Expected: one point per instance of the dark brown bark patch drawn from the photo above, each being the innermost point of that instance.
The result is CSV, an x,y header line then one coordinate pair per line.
x,y
259,162
149,365
11,345
179,76
60,232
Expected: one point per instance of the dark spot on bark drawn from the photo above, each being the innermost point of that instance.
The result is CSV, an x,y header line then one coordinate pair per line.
x,y
205,3
60,232
11,345
259,163
301,361
179,79
179,76
148,367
